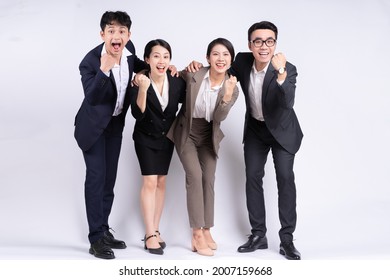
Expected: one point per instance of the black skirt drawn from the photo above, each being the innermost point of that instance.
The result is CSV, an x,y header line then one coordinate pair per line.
x,y
154,161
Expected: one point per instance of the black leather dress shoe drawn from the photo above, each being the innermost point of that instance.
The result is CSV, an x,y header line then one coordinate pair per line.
x,y
100,250
288,250
113,243
254,242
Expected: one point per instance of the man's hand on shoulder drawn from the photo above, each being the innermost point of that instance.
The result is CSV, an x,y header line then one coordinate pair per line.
x,y
194,66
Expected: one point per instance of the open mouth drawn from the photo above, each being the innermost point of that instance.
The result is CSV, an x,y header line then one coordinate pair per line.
x,y
220,65
160,68
264,54
116,46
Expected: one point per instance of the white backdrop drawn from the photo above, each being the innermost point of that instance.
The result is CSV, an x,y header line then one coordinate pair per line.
x,y
341,50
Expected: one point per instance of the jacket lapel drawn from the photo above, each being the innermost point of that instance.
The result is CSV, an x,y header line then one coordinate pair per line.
x,y
112,78
195,86
247,76
151,95
172,92
267,80
153,98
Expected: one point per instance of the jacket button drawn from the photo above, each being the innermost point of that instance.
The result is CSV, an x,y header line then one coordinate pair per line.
x,y
163,133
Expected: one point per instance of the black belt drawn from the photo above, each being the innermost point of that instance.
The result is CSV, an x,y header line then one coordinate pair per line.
x,y
256,121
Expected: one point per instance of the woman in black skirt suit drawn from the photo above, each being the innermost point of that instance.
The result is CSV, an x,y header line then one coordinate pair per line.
x,y
154,104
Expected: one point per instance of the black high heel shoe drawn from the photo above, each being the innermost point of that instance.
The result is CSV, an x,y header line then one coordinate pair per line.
x,y
162,244
156,251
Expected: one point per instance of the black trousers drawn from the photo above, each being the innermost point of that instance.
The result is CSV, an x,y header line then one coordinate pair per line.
x,y
258,142
101,162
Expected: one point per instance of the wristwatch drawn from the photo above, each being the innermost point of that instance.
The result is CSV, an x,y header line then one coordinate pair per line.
x,y
281,70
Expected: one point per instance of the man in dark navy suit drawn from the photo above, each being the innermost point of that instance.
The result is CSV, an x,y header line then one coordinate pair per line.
x,y
106,73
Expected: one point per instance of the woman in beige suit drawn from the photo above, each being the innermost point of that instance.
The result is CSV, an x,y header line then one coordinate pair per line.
x,y
196,132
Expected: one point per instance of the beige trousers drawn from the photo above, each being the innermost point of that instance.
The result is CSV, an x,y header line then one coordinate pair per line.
x,y
199,163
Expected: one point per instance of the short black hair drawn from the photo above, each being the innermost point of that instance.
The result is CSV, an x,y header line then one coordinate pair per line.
x,y
110,17
263,25
221,41
156,42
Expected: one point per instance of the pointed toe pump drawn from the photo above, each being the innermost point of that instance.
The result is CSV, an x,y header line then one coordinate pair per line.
x,y
156,251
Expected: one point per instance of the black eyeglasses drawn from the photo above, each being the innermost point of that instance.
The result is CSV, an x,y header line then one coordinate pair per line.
x,y
270,42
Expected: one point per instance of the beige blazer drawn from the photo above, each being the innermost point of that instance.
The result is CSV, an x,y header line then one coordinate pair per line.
x,y
181,127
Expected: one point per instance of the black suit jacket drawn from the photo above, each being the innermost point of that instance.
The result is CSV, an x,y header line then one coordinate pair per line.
x,y
100,96
153,124
277,101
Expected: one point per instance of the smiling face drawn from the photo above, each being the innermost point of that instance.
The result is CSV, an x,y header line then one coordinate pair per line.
x,y
219,59
159,60
263,54
115,36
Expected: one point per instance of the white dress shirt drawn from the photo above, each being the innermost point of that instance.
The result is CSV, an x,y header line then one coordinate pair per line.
x,y
255,92
121,76
206,100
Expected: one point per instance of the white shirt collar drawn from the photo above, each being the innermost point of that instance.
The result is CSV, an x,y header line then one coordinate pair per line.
x,y
207,80
254,70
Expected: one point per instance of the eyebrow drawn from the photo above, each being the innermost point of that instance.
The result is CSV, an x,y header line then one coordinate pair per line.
x,y
258,38
220,52
164,53
113,26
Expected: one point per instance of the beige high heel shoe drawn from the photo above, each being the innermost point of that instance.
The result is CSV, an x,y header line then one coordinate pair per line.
x,y
211,243
201,251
